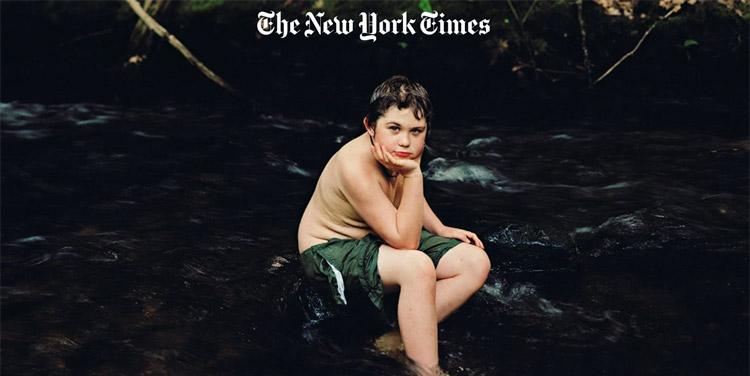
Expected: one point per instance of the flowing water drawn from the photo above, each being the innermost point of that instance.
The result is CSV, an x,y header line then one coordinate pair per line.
x,y
162,241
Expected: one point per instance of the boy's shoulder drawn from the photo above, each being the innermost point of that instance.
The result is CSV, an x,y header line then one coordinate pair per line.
x,y
351,163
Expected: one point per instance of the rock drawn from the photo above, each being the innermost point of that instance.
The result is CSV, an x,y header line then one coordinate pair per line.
x,y
523,247
481,142
277,263
389,343
311,306
641,232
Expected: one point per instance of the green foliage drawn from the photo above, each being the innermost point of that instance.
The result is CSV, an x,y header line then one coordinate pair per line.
x,y
425,6
535,39
689,42
539,46
202,5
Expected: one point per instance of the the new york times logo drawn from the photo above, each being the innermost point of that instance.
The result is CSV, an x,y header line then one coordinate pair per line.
x,y
369,26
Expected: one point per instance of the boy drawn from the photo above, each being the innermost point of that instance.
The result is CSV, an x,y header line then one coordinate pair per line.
x,y
362,230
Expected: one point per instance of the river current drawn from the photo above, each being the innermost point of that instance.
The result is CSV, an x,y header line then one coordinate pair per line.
x,y
162,240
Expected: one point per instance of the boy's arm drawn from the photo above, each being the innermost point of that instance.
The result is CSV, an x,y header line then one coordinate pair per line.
x,y
431,222
399,228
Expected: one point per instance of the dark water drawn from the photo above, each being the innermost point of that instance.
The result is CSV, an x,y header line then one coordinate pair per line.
x,y
162,241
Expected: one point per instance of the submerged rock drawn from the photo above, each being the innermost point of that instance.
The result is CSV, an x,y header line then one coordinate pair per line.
x,y
640,232
481,142
523,247
440,169
460,172
277,263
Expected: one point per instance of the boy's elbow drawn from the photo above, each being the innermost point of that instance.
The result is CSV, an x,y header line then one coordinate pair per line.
x,y
402,243
406,240
412,243
405,245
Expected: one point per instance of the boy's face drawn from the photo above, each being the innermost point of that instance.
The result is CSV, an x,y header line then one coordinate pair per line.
x,y
400,132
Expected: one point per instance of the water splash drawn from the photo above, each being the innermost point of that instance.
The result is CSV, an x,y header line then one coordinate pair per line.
x,y
480,142
290,166
439,169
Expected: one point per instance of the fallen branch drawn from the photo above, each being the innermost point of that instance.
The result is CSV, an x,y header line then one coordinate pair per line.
x,y
629,54
513,10
528,12
141,37
162,32
524,35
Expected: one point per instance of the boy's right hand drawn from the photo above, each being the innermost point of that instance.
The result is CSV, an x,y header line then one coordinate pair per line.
x,y
403,166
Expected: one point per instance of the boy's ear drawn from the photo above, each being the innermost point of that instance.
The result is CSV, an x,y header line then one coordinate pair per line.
x,y
368,128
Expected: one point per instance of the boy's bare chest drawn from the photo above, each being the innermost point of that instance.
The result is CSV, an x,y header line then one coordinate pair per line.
x,y
393,189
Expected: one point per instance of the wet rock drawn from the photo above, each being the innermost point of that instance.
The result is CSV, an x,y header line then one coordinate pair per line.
x,y
440,169
481,142
305,304
460,172
561,136
641,232
523,247
278,162
55,344
277,263
390,343
30,239
311,307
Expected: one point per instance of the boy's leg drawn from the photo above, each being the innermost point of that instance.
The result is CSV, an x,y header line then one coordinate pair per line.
x,y
460,273
414,273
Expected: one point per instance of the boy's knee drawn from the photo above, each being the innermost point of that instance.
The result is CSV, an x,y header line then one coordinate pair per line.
x,y
479,264
419,267
483,261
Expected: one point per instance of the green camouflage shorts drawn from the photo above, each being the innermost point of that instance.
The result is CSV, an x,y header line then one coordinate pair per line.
x,y
350,266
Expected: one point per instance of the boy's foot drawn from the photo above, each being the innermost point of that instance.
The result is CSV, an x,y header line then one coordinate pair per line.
x,y
390,343
426,371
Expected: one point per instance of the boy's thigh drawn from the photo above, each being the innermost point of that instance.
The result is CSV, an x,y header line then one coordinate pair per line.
x,y
394,264
436,246
459,259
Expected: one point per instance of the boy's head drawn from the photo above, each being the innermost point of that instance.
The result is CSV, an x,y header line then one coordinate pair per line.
x,y
399,116
403,93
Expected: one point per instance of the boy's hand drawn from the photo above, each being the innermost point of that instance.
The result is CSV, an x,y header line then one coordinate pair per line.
x,y
403,166
463,235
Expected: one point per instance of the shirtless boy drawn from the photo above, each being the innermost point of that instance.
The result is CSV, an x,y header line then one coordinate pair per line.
x,y
368,229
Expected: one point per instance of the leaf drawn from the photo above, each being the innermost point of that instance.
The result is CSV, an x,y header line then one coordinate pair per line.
x,y
425,6
203,5
689,42
540,46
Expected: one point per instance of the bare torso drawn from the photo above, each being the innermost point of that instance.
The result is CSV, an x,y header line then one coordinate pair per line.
x,y
329,214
